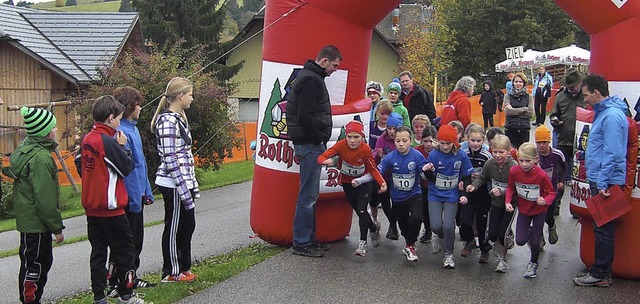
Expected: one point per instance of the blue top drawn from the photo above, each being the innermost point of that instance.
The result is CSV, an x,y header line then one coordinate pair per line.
x,y
449,170
509,87
546,79
405,172
137,182
607,144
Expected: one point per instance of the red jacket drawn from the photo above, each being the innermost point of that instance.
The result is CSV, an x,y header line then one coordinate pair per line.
x,y
457,107
527,187
103,164
353,163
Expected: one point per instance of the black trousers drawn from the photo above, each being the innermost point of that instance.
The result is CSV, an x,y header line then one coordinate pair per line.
x,y
36,258
409,215
136,224
540,107
359,199
517,136
113,233
179,225
488,119
605,237
499,224
425,211
384,199
477,208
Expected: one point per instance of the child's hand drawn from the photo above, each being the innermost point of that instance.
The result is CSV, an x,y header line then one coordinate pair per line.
x,y
354,183
463,200
461,185
508,207
58,238
428,167
383,188
328,162
541,201
147,200
560,185
471,188
495,192
121,138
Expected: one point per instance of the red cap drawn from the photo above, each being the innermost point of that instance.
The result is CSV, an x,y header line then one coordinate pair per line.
x,y
354,126
448,133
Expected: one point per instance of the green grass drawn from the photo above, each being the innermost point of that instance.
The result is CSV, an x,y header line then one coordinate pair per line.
x,y
210,271
231,173
83,6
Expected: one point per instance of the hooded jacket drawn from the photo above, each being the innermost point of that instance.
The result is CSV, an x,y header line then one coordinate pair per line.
x,y
137,182
607,144
488,99
35,186
457,107
546,81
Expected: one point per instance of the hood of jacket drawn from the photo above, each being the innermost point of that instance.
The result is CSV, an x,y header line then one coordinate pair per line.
x,y
29,148
611,102
455,96
489,83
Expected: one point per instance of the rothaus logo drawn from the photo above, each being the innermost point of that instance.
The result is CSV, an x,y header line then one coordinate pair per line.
x,y
277,150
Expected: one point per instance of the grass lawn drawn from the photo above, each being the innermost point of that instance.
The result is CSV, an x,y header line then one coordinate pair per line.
x,y
83,6
211,271
231,173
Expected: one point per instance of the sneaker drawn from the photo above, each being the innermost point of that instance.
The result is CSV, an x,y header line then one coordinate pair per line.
x,y
392,234
436,243
375,236
553,235
308,251
140,283
177,278
320,245
101,301
426,237
484,257
189,275
509,239
410,253
502,266
134,298
532,269
448,262
112,291
362,249
468,247
542,243
586,279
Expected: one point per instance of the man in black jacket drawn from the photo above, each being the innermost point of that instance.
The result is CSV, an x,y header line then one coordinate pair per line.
x,y
415,98
309,126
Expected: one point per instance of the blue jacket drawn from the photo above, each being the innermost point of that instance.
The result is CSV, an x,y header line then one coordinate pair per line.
x,y
137,182
449,170
607,143
405,170
547,79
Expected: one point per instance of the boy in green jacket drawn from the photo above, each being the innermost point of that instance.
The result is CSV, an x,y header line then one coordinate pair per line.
x,y
35,201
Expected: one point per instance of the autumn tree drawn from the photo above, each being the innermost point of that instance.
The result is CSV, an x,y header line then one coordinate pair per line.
x,y
213,133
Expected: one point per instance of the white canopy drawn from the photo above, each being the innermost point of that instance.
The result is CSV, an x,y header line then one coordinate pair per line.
x,y
568,55
527,61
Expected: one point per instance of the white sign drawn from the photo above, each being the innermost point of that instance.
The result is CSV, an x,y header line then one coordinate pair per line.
x,y
514,52
619,3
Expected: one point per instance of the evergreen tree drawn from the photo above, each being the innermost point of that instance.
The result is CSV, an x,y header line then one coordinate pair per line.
x,y
71,3
125,6
9,2
198,22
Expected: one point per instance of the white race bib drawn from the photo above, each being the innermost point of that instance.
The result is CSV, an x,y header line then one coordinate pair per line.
x,y
403,182
549,172
351,170
446,182
542,83
500,185
528,192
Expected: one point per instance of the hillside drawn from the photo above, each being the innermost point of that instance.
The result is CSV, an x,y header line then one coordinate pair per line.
x,y
83,6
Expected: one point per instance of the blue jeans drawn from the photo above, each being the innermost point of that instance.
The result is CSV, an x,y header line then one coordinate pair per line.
x,y
604,244
304,221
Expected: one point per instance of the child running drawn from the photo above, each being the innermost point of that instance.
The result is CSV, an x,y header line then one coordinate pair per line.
x,y
446,167
405,165
496,172
384,145
534,195
553,163
378,126
419,123
428,136
357,168
473,216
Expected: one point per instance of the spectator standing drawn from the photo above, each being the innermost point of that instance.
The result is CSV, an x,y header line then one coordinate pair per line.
x,y
518,111
415,98
458,106
541,93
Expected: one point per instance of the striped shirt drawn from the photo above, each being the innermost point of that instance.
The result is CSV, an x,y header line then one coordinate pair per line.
x,y
177,168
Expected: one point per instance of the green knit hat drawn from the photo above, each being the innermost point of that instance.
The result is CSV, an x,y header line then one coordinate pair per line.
x,y
39,122
394,86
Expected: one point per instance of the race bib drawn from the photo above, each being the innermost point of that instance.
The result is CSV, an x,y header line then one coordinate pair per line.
x,y
445,182
403,182
351,170
500,185
549,172
542,83
528,192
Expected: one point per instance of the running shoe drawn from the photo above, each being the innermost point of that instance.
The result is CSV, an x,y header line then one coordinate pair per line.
x,y
362,249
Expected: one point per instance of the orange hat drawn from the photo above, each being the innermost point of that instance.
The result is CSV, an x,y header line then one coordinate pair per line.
x,y
543,134
354,126
448,133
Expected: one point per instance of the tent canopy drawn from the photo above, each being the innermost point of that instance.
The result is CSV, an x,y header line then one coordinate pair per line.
x,y
527,61
568,55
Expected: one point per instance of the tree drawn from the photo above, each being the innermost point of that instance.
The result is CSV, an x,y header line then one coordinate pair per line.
x,y
252,5
213,134
24,4
426,47
8,2
71,3
198,22
125,6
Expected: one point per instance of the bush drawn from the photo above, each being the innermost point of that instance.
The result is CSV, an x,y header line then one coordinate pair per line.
x,y
150,73
71,3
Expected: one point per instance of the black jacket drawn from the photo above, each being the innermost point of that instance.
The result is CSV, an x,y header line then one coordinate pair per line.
x,y
420,102
488,100
308,107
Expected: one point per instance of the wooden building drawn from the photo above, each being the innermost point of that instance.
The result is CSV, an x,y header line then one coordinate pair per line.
x,y
48,56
